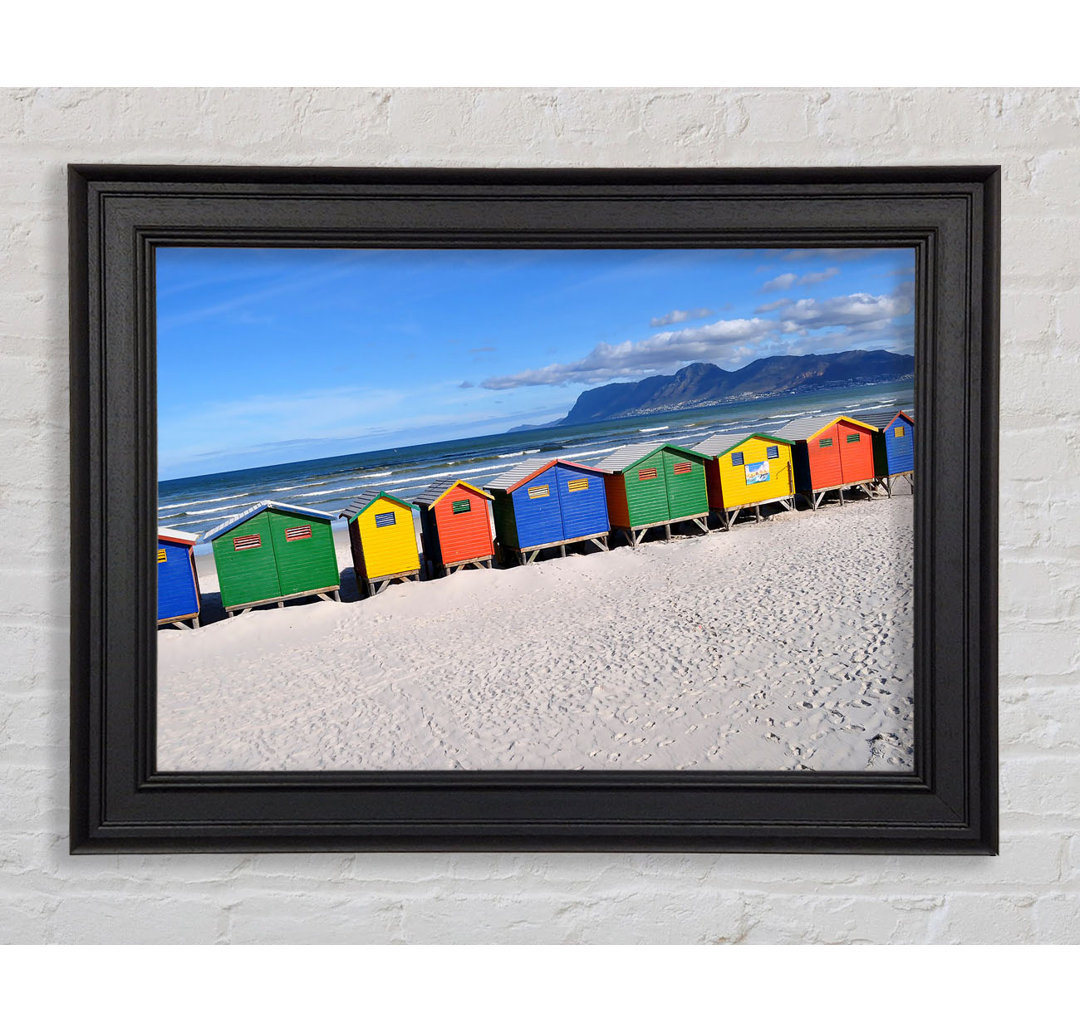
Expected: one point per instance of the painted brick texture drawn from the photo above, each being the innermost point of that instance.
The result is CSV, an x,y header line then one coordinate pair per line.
x,y
1031,893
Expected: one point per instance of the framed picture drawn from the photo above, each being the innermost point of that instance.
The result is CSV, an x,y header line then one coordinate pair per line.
x,y
542,510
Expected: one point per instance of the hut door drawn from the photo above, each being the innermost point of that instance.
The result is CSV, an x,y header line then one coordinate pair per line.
x,y
247,571
537,511
304,550
685,486
856,453
584,504
646,492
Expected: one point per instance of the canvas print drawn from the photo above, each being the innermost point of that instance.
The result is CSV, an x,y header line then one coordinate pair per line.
x,y
537,509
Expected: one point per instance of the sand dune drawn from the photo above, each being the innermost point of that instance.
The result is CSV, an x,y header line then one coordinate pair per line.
x,y
785,645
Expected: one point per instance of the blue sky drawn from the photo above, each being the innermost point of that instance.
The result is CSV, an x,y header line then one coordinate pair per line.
x,y
276,355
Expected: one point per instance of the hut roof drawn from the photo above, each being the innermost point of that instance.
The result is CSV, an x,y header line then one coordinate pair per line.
x,y
807,426
718,444
527,470
625,457
277,507
361,502
179,537
879,418
437,489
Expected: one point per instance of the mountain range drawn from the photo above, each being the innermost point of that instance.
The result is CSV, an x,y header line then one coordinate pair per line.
x,y
702,383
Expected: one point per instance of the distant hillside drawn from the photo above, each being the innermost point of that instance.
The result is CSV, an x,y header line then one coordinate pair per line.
x,y
705,384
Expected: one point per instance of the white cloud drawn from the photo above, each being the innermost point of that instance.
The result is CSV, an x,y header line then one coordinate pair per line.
x,y
727,340
772,306
825,274
786,280
781,283
680,316
849,310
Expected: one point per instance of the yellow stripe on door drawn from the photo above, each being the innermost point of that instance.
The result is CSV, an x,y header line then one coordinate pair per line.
x,y
161,555
582,484
541,491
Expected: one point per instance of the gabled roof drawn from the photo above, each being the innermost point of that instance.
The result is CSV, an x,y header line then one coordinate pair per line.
x,y
277,507
810,426
526,470
361,502
881,418
179,537
627,456
437,489
718,444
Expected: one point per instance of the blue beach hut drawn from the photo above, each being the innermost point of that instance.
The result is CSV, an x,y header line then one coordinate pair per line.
x,y
547,503
178,582
894,446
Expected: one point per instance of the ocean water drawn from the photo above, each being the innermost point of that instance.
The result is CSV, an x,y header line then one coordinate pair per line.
x,y
198,504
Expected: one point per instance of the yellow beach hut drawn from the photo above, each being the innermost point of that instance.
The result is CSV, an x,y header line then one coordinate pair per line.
x,y
747,470
382,534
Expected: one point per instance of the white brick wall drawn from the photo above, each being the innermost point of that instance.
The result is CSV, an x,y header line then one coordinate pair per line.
x,y
1031,893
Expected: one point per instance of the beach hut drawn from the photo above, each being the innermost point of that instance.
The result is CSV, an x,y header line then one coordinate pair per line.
x,y
272,552
455,524
655,485
383,539
177,579
894,446
545,503
747,470
830,453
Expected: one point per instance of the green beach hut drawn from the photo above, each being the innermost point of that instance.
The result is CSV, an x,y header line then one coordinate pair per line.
x,y
655,485
272,552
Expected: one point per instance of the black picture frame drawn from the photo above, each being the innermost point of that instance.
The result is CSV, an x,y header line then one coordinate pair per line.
x,y
120,803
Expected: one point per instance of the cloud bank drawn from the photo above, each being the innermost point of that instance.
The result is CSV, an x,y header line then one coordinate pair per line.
x,y
850,321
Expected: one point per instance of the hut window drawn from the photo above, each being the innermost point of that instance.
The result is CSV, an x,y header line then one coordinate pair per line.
x,y
772,452
540,491
898,432
385,519
736,458
825,443
294,534
581,484
161,555
462,505
682,468
246,541
647,475
852,438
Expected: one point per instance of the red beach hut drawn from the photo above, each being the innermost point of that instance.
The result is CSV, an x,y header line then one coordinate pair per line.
x,y
831,453
455,524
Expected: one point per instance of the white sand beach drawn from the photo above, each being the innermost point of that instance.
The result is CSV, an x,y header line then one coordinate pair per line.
x,y
784,645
